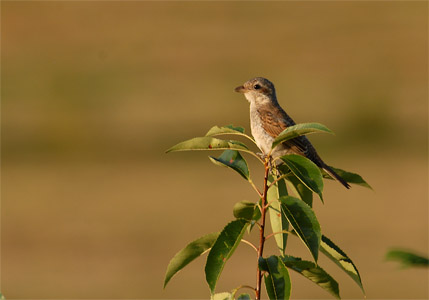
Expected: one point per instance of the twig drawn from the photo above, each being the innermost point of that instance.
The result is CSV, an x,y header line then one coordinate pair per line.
x,y
250,244
255,188
278,232
252,153
262,228
278,179
242,287
269,203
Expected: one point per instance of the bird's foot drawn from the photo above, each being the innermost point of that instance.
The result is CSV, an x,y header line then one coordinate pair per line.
x,y
261,155
274,168
269,159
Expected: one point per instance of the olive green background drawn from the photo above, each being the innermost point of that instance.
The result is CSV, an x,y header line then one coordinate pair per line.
x,y
94,92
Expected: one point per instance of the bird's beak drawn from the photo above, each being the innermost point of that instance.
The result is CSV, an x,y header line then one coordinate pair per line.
x,y
240,89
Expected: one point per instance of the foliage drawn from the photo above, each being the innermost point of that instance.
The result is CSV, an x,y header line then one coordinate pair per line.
x,y
286,198
407,258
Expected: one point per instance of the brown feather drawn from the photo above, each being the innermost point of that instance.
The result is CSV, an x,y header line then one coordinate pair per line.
x,y
274,120
271,123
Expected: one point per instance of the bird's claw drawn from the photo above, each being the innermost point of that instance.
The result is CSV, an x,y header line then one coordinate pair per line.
x,y
269,159
261,155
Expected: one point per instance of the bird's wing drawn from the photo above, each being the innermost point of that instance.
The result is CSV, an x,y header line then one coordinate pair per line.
x,y
274,124
271,123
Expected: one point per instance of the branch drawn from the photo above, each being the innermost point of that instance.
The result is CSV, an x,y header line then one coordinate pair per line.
x,y
262,227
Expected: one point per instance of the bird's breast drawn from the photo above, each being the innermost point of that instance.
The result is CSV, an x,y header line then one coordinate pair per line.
x,y
262,138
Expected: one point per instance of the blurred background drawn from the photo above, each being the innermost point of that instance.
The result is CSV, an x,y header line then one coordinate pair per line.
x,y
93,93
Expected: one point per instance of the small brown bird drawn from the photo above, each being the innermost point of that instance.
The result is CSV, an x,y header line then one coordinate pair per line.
x,y
268,120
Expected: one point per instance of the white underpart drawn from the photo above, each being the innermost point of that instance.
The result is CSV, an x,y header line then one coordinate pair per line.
x,y
262,139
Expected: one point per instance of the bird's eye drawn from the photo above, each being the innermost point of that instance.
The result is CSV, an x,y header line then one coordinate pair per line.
x,y
256,86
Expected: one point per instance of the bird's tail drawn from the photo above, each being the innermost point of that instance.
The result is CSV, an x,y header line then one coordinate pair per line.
x,y
336,176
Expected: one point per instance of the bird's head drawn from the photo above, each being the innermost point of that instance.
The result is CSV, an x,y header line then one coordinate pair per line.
x,y
258,90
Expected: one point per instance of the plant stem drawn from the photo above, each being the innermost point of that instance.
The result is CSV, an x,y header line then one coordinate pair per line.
x,y
278,179
278,232
242,287
262,228
255,188
250,244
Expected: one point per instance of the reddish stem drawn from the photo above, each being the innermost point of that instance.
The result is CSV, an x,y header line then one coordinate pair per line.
x,y
262,230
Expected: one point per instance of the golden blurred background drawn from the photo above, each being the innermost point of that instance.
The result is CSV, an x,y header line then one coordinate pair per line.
x,y
93,93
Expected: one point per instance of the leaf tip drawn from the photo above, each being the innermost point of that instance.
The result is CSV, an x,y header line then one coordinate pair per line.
x,y
321,197
368,186
171,149
315,257
166,281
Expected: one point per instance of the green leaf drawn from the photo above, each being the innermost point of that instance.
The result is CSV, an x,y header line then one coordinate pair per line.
x,y
256,216
278,220
222,296
300,189
340,258
232,159
407,258
228,129
188,254
304,222
306,171
277,281
349,177
316,274
222,250
246,210
208,143
244,297
298,130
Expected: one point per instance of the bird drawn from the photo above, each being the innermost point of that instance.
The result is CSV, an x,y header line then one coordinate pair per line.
x,y
268,120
